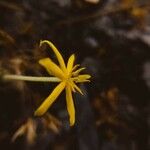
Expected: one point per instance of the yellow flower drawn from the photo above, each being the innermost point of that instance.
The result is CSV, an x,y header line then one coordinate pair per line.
x,y
68,76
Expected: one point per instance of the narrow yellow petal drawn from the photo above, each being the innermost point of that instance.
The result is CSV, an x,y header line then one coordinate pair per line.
x,y
70,63
70,105
81,78
75,67
51,68
57,53
84,76
77,88
82,81
71,83
50,99
78,71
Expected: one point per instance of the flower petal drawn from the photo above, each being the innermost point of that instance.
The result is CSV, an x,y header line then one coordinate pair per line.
x,y
57,53
82,78
75,73
82,81
70,105
75,67
71,84
50,99
77,88
70,63
51,67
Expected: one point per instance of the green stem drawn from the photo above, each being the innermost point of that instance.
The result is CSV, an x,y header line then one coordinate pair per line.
x,y
31,78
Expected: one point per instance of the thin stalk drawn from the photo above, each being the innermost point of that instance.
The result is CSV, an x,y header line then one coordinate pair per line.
x,y
31,78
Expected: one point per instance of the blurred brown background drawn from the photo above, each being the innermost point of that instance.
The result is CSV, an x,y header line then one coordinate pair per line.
x,y
112,39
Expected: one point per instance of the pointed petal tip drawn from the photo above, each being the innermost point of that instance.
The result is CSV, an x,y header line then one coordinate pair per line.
x,y
88,76
75,67
43,61
40,61
85,77
70,106
73,56
41,41
81,93
38,113
70,63
72,122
